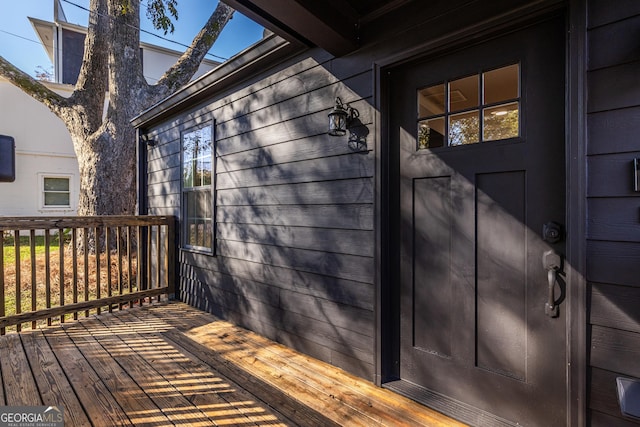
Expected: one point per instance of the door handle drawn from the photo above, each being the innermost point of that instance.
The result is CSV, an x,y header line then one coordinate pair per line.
x,y
551,262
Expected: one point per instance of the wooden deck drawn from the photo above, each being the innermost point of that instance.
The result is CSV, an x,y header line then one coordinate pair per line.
x,y
170,364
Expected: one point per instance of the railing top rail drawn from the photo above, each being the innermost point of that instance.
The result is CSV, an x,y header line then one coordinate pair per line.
x,y
43,223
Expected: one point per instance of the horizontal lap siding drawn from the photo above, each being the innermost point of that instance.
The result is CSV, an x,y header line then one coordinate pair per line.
x,y
294,211
613,228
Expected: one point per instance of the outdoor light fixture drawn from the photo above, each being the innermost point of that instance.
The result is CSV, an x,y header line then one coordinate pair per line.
x,y
149,141
340,118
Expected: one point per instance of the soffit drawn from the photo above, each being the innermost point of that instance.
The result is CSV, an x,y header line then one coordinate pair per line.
x,y
334,25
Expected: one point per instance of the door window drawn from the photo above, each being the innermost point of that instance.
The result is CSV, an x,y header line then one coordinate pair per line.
x,y
473,109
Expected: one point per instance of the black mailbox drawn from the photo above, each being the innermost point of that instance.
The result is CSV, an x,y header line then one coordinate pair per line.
x,y
7,159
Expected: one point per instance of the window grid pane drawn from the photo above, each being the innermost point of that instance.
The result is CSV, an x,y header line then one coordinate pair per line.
x,y
198,218
464,128
501,122
56,199
56,184
463,94
431,133
478,108
197,158
431,101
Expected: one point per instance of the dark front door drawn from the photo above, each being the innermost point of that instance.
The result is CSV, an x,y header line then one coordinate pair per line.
x,y
480,140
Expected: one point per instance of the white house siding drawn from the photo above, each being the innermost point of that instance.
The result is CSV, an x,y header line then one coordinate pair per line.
x,y
43,149
156,60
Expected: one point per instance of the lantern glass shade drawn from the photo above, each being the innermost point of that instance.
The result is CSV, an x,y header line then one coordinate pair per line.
x,y
337,122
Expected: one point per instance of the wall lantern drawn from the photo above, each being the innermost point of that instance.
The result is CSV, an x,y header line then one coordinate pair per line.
x,y
148,140
340,118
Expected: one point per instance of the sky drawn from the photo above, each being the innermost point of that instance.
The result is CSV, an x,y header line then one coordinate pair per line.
x,y
20,45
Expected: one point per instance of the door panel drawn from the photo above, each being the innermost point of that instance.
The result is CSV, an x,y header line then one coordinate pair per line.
x,y
433,257
473,288
501,252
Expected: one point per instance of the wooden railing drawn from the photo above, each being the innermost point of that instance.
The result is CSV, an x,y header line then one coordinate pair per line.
x,y
49,271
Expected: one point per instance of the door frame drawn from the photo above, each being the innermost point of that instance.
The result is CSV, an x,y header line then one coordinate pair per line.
x,y
387,346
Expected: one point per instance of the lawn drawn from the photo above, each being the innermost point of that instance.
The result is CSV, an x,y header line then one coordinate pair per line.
x,y
25,248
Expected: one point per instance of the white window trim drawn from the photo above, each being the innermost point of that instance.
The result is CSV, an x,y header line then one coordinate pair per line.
x,y
72,196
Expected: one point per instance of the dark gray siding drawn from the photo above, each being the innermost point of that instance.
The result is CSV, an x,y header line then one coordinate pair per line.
x,y
613,229
295,207
294,215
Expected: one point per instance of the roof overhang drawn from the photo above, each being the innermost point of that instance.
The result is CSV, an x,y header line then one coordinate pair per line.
x,y
46,33
334,25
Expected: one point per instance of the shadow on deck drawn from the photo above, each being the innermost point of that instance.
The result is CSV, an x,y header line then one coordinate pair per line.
x,y
170,364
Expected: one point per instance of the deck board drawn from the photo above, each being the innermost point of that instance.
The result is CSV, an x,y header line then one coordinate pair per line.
x,y
129,350
295,412
204,386
170,364
19,383
92,393
176,383
51,380
126,391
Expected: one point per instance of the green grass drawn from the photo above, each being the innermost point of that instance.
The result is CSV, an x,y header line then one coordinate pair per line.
x,y
25,247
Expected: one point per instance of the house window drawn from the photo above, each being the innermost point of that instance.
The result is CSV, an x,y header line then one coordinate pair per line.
x,y
56,191
478,108
197,189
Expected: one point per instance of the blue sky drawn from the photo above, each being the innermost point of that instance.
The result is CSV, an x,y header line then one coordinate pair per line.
x,y
20,45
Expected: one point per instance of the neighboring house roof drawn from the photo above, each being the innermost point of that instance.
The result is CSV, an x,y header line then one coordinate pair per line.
x,y
64,44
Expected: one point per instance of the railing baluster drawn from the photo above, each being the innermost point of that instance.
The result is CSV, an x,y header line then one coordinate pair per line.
x,y
139,258
34,284
158,257
85,245
149,256
97,232
166,255
2,300
171,257
18,298
129,259
140,261
119,250
47,272
74,261
61,275
108,257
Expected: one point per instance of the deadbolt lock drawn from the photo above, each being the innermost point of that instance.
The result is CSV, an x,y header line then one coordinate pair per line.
x,y
552,232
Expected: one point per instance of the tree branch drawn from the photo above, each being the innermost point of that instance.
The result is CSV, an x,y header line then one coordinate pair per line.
x,y
188,63
32,87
